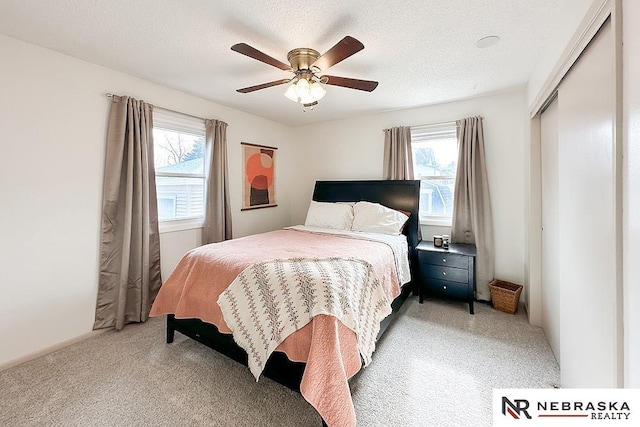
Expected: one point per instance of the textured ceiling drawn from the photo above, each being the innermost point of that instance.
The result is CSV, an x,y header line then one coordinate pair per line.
x,y
421,51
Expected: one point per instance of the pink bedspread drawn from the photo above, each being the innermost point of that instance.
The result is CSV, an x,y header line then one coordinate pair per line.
x,y
327,346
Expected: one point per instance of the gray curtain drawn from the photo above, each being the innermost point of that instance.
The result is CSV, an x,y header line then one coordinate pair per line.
x,y
472,222
398,158
129,245
217,212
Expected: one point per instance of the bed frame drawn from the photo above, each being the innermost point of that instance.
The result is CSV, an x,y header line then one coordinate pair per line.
x,y
399,195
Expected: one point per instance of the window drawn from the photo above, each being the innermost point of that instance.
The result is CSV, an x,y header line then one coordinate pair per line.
x,y
166,206
435,161
178,144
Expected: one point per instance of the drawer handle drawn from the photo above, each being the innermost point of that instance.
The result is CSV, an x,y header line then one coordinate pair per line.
x,y
444,287
444,273
444,260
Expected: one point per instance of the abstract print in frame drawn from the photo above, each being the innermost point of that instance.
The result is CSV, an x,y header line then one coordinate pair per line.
x,y
258,176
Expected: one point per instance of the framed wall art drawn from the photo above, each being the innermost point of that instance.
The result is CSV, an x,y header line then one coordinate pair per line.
x,y
258,176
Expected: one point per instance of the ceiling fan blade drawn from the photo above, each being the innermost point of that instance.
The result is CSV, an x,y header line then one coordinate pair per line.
x,y
342,50
263,86
254,53
366,85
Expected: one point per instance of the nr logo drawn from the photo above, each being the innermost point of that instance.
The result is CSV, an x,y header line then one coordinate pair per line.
x,y
516,409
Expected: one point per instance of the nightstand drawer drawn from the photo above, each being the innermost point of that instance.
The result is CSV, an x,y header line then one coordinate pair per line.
x,y
439,258
440,272
448,289
448,273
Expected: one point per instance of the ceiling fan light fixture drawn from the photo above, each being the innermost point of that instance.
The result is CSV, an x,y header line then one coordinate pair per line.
x,y
317,91
305,91
308,99
309,106
291,93
306,85
302,88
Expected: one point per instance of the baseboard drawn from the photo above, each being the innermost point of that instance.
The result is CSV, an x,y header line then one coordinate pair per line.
x,y
50,349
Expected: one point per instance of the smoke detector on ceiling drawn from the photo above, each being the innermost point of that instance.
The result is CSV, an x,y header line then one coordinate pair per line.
x,y
487,42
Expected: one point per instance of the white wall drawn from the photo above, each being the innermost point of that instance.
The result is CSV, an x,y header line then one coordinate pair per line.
x,y
571,14
631,194
173,245
53,116
353,149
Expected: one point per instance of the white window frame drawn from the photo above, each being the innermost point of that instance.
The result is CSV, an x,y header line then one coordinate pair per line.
x,y
431,132
174,122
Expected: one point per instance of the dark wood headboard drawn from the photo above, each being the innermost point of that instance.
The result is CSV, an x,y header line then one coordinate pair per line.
x,y
395,194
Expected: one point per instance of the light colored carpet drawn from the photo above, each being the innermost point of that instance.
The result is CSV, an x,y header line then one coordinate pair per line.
x,y
435,366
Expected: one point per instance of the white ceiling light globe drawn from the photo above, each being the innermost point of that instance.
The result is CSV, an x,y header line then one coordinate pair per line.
x,y
317,91
302,87
291,93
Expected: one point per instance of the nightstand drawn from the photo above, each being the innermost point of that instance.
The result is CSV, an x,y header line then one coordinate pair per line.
x,y
448,273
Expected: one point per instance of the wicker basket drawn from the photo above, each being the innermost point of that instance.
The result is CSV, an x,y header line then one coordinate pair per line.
x,y
505,295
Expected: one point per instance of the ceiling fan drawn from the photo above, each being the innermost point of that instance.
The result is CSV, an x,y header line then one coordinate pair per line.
x,y
307,66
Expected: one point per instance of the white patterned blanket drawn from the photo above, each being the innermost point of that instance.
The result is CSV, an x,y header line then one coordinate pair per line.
x,y
270,300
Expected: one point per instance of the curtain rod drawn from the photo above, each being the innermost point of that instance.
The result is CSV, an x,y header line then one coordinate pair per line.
x,y
448,122
439,123
110,95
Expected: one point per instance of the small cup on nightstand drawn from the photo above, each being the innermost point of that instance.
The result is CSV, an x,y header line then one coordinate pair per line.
x,y
437,241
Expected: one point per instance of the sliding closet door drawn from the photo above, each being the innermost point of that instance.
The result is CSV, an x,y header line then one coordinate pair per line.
x,y
550,227
587,239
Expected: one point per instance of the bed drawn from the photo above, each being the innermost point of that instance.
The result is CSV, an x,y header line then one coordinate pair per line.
x,y
287,365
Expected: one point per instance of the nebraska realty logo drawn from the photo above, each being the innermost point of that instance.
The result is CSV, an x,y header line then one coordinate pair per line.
x,y
566,407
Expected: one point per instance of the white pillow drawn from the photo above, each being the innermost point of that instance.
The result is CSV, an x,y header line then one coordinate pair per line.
x,y
375,218
336,216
